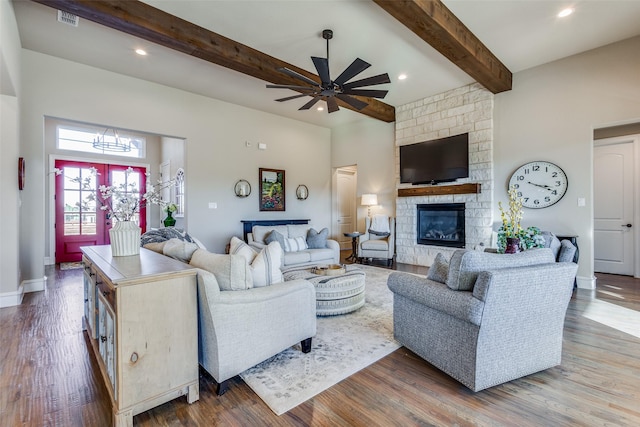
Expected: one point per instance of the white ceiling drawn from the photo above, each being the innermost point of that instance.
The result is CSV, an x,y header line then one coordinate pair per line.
x,y
521,33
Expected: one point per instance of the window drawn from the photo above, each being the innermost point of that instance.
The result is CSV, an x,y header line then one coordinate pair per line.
x,y
83,138
179,192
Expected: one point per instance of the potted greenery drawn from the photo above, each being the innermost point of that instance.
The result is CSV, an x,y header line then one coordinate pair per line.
x,y
512,237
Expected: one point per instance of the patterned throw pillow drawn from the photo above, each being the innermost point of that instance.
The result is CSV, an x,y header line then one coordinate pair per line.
x,y
439,270
295,245
567,251
317,239
239,247
265,268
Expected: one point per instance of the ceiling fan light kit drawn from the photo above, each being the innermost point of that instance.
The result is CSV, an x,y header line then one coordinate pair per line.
x,y
331,90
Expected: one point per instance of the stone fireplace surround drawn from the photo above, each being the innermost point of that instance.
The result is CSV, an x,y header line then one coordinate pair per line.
x,y
465,109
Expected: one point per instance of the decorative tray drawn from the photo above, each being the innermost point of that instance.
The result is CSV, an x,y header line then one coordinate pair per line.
x,y
329,270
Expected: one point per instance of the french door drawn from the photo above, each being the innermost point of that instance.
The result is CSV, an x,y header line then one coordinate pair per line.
x,y
79,219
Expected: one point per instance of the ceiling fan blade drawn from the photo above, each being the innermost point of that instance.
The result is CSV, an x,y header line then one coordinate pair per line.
x,y
298,76
352,70
366,92
310,103
332,104
288,98
355,103
369,81
322,66
294,87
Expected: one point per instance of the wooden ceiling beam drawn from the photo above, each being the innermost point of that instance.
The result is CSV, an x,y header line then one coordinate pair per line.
x,y
147,22
433,22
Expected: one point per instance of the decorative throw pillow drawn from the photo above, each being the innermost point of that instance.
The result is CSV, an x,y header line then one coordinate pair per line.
x,y
276,236
567,251
179,249
155,246
295,245
317,239
265,268
238,247
232,271
439,270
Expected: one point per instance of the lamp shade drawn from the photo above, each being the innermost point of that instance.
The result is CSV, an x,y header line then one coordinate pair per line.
x,y
369,200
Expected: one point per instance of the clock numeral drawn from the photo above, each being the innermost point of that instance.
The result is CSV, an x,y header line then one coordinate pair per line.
x,y
527,170
520,178
554,192
554,174
519,193
526,199
558,183
536,202
516,186
547,199
536,168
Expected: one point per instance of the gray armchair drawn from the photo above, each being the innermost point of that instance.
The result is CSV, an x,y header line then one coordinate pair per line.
x,y
494,317
377,246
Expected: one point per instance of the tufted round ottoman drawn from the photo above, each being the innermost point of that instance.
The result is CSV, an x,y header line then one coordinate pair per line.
x,y
335,295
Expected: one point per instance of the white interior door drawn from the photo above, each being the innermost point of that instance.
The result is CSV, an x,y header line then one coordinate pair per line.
x,y
346,205
613,178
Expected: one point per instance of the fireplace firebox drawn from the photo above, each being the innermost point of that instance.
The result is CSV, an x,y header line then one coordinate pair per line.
x,y
441,224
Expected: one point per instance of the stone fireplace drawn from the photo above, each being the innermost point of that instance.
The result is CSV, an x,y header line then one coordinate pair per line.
x,y
441,224
465,109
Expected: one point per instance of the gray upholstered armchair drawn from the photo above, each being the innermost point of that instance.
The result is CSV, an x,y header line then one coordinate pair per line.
x,y
487,318
378,245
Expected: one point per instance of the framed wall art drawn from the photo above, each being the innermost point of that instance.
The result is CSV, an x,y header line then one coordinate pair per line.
x,y
272,189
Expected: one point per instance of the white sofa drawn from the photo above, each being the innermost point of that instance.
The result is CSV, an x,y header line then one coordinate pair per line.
x,y
330,254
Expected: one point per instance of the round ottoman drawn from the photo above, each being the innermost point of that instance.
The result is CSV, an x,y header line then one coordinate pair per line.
x,y
335,295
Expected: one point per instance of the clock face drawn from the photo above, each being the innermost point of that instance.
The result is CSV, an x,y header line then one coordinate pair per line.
x,y
540,184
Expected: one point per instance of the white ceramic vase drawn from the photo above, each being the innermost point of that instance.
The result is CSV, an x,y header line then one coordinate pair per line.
x,y
125,238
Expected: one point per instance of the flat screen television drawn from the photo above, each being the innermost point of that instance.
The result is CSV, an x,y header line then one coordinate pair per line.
x,y
432,162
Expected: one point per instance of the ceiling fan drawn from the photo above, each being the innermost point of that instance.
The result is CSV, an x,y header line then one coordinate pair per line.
x,y
328,90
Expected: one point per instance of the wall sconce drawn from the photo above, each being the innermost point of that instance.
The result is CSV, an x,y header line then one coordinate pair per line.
x,y
369,200
242,188
302,192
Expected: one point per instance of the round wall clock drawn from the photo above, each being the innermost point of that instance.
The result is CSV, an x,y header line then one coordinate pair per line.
x,y
20,173
540,184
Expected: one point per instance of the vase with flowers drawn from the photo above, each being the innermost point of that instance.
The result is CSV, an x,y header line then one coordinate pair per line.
x,y
170,221
122,204
512,238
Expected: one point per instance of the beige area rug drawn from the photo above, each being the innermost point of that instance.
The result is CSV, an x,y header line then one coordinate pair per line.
x,y
70,265
342,346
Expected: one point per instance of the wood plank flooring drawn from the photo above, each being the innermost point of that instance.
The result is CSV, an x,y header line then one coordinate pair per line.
x,y
49,378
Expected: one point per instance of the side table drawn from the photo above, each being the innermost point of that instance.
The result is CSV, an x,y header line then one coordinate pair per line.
x,y
354,245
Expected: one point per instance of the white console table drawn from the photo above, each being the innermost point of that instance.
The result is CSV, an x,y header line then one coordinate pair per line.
x,y
140,313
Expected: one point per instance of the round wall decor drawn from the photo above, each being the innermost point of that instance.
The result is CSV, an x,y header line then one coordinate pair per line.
x,y
540,184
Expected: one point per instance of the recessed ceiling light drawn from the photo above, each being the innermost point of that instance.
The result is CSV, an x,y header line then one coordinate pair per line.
x,y
402,76
320,108
565,12
141,52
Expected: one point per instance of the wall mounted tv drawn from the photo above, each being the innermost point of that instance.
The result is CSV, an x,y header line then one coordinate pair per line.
x,y
435,161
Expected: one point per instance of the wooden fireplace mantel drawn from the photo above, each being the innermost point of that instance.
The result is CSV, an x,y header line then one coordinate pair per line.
x,y
440,190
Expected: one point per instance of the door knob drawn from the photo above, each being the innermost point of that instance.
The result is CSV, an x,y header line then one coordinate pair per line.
x,y
627,225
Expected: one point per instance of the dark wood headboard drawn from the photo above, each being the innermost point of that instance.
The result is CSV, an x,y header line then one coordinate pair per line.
x,y
247,224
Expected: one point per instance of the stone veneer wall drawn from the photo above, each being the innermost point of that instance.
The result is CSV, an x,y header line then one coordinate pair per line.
x,y
466,109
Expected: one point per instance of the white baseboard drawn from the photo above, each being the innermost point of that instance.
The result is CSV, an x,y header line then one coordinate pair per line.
x,y
10,299
34,285
49,261
586,282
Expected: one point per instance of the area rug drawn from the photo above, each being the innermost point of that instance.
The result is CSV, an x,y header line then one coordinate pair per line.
x,y
342,346
70,265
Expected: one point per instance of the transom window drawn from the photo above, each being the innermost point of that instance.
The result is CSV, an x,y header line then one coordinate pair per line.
x,y
99,140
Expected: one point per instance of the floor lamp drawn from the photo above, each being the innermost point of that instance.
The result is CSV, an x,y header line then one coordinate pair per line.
x,y
369,200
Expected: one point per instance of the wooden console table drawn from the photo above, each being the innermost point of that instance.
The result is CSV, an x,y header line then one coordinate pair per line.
x,y
140,313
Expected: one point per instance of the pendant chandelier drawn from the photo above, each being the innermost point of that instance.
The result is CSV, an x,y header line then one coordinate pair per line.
x,y
111,142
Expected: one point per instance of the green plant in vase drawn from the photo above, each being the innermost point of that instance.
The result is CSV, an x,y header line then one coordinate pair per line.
x,y
512,237
170,221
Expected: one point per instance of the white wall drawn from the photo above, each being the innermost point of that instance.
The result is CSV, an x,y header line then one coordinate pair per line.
x,y
216,156
550,115
370,145
10,276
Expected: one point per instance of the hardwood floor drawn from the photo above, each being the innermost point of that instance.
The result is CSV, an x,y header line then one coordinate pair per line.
x,y
48,377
